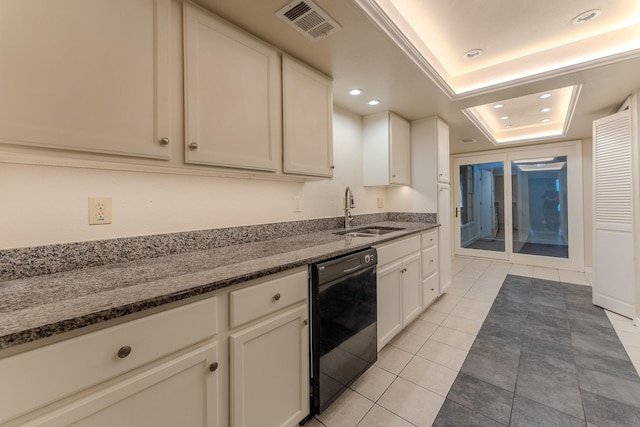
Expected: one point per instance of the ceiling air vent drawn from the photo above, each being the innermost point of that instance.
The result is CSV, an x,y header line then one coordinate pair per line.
x,y
466,141
309,19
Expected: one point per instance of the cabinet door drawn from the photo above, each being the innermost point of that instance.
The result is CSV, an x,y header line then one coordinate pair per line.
x,y
232,95
308,121
270,371
180,392
88,76
442,138
400,159
389,302
411,288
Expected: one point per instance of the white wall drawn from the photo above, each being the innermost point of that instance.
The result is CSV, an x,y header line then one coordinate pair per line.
x,y
48,204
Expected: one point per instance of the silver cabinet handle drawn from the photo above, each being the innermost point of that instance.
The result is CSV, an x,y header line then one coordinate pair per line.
x,y
193,146
213,367
276,297
124,351
164,141
332,167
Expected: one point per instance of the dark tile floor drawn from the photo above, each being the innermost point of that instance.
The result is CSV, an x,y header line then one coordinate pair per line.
x,y
545,356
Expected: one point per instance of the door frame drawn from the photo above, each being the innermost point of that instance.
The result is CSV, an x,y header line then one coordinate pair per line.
x,y
575,202
465,160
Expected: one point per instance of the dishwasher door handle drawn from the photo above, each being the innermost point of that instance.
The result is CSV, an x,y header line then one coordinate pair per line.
x,y
348,270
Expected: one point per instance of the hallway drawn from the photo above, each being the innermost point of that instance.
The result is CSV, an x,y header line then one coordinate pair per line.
x,y
415,373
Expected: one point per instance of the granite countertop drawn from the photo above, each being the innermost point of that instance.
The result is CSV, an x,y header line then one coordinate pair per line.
x,y
38,307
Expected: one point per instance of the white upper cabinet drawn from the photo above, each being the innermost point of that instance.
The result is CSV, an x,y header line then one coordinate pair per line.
x,y
232,95
88,76
430,148
386,150
308,122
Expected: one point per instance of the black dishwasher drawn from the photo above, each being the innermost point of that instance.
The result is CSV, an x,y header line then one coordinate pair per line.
x,y
343,324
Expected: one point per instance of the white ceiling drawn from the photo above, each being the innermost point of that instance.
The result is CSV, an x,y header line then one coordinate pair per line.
x,y
517,39
364,55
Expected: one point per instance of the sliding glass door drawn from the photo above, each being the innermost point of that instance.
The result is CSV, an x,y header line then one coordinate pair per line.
x,y
521,205
540,207
480,228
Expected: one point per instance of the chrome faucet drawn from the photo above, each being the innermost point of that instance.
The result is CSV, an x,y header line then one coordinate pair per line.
x,y
348,204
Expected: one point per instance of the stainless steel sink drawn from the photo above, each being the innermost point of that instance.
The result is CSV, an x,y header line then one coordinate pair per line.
x,y
368,231
355,234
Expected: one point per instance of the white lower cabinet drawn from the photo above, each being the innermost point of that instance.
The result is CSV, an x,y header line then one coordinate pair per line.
x,y
152,368
181,391
399,287
269,352
173,368
270,371
430,268
389,302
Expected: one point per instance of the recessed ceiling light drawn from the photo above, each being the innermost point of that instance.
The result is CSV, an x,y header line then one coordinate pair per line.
x,y
545,96
473,53
545,120
587,16
355,92
545,110
374,102
505,117
498,106
509,126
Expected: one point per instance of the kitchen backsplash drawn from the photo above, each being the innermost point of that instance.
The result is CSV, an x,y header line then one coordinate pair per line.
x,y
38,260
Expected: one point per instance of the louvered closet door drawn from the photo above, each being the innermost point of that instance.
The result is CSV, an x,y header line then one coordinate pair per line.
x,y
613,215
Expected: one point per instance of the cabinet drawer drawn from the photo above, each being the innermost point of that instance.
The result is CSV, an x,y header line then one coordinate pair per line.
x,y
259,300
397,249
46,374
430,290
429,261
429,239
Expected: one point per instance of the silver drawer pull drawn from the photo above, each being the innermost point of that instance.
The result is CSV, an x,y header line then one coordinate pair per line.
x,y
124,351
164,141
276,297
213,367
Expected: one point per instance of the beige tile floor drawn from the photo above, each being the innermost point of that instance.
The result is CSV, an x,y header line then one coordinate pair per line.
x,y
413,374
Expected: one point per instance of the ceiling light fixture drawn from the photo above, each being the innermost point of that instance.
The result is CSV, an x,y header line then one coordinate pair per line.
x,y
355,91
505,117
498,106
545,96
587,16
374,102
473,53
545,120
545,110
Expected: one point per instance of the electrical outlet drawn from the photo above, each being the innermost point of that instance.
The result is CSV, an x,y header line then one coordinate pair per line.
x,y
100,210
380,202
296,204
